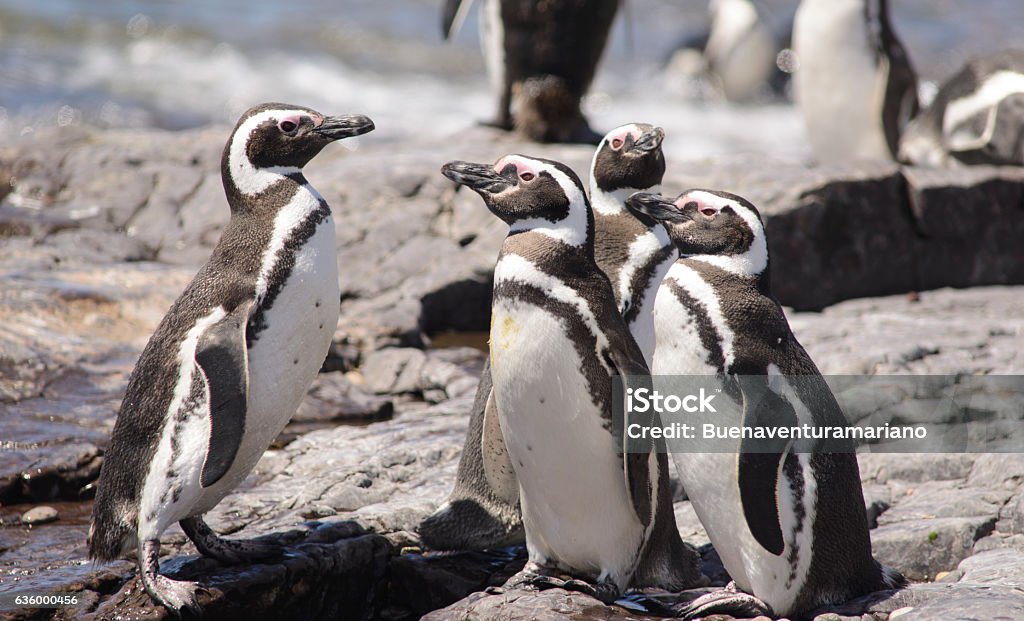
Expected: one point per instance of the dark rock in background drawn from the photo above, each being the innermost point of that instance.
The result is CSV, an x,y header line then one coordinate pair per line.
x,y
872,228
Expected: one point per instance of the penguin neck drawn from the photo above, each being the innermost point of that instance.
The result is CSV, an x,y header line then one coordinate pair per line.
x,y
548,255
613,202
752,263
651,256
566,245
244,181
576,229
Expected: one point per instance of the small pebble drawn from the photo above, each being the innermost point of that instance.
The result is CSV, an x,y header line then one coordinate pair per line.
x,y
899,612
941,575
39,515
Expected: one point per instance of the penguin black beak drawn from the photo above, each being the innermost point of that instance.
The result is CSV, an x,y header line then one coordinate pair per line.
x,y
649,140
345,126
654,206
480,178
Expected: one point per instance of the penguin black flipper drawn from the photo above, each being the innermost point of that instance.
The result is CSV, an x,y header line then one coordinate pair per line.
x,y
222,355
900,103
665,561
759,466
482,511
625,359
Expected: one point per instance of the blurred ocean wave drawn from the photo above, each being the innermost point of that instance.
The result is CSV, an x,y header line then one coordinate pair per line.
x,y
177,65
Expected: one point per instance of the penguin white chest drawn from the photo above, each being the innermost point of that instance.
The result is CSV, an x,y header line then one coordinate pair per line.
x,y
686,307
839,86
282,361
288,352
575,506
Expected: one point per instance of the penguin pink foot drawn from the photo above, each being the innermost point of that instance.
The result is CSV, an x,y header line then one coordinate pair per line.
x,y
178,596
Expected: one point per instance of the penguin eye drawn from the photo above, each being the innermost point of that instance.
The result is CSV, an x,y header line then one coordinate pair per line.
x,y
616,143
708,211
287,126
526,176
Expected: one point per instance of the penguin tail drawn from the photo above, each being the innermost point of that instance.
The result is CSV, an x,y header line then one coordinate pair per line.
x,y
110,536
891,579
110,543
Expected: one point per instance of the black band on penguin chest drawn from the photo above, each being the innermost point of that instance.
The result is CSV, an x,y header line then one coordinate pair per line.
x,y
710,339
641,282
284,263
583,338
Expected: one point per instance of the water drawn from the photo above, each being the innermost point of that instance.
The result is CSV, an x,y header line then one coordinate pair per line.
x,y
176,64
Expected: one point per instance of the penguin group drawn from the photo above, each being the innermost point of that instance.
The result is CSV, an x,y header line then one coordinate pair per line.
x,y
851,77
857,91
592,283
687,279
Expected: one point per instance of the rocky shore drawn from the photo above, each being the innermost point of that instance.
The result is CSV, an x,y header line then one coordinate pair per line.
x,y
102,230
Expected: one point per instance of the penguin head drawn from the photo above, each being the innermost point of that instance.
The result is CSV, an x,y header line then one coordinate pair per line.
x,y
520,189
630,157
281,138
717,227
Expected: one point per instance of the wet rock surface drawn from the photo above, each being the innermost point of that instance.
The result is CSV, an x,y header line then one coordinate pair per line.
x,y
101,231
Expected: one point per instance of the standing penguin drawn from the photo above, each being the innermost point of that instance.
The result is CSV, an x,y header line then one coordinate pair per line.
x,y
556,340
634,257
483,509
741,50
854,82
789,525
541,58
229,364
977,116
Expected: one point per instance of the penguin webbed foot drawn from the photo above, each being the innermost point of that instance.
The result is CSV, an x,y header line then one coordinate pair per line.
x,y
178,596
228,551
729,600
538,578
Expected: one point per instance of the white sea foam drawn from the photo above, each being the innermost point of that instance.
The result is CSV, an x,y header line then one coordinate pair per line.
x,y
178,65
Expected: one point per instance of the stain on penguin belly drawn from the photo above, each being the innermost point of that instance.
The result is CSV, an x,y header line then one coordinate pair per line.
x,y
572,486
